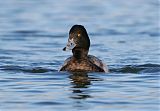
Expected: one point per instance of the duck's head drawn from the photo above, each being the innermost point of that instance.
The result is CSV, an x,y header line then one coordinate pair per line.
x,y
78,39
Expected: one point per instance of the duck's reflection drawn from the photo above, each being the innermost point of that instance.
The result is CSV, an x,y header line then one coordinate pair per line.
x,y
80,82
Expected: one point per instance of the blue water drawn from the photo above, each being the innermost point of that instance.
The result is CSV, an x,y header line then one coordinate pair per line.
x,y
124,34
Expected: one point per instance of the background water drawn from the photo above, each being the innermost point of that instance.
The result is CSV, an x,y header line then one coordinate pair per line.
x,y
124,34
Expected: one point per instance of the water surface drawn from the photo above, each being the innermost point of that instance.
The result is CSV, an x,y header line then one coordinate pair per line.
x,y
124,34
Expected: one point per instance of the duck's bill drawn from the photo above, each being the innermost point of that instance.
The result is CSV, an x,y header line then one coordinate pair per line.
x,y
70,45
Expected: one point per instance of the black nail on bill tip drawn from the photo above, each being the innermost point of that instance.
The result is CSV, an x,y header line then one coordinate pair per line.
x,y
64,49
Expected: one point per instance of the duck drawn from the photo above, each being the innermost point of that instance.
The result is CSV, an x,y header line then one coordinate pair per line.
x,y
81,61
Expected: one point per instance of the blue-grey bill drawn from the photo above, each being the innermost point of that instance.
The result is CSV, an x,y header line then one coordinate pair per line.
x,y
70,45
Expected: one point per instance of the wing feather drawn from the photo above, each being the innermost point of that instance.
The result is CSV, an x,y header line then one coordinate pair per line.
x,y
65,63
98,62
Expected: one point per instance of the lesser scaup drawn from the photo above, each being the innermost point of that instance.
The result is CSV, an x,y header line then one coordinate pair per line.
x,y
79,43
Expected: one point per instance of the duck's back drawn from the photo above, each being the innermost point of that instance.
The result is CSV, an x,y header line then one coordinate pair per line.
x,y
89,64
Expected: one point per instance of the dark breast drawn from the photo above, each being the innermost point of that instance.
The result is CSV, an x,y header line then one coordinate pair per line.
x,y
81,65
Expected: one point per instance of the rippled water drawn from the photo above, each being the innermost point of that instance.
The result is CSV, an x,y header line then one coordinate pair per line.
x,y
124,34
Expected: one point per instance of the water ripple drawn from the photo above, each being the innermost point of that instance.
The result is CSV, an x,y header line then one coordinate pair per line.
x,y
147,68
25,69
44,103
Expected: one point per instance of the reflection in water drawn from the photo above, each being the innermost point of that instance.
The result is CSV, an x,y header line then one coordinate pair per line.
x,y
80,81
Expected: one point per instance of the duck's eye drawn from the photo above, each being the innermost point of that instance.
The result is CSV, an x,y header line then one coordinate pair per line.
x,y
79,35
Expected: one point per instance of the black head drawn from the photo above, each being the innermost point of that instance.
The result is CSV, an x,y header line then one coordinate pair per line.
x,y
78,38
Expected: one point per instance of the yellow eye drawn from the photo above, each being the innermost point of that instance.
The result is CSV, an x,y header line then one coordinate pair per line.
x,y
79,35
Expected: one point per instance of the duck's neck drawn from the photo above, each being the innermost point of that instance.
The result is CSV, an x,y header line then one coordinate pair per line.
x,y
79,53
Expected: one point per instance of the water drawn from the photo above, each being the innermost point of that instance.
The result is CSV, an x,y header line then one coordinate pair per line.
x,y
124,34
